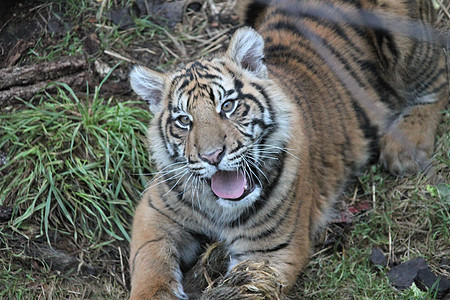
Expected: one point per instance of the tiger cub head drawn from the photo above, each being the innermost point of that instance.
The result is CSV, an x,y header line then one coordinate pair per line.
x,y
220,123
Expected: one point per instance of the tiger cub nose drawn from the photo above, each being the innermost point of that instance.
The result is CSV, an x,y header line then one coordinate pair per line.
x,y
213,157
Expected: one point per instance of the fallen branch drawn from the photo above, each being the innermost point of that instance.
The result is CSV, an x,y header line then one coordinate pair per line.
x,y
24,82
7,97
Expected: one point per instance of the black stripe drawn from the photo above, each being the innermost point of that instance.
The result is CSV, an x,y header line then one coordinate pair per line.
x,y
140,248
284,244
437,89
293,28
262,91
241,131
269,216
275,248
246,109
172,132
338,103
184,84
255,10
370,131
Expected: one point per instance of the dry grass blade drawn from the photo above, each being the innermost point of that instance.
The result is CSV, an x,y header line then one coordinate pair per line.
x,y
164,47
443,10
178,44
121,57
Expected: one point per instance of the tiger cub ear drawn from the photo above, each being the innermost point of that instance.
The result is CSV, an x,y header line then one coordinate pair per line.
x,y
247,50
149,85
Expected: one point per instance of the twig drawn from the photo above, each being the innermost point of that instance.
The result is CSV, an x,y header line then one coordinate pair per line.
x,y
354,195
390,245
7,97
121,265
19,232
213,7
198,38
81,262
444,9
216,36
177,44
373,197
104,26
321,251
119,56
207,277
100,11
39,7
214,46
145,50
24,75
168,50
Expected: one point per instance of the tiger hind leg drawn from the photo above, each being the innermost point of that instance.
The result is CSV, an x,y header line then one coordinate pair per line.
x,y
419,71
408,145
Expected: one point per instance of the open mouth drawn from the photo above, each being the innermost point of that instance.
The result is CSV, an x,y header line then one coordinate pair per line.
x,y
232,185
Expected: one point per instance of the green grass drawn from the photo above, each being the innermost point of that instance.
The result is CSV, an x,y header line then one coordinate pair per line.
x,y
74,166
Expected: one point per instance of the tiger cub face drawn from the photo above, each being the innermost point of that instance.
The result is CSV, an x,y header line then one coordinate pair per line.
x,y
215,122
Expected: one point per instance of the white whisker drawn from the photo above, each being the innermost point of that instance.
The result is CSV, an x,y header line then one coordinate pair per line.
x,y
156,173
286,150
181,174
176,183
259,169
162,174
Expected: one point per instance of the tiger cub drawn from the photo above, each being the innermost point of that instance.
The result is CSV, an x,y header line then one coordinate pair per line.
x,y
254,146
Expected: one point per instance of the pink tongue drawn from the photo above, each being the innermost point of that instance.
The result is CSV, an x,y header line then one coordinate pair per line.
x,y
228,184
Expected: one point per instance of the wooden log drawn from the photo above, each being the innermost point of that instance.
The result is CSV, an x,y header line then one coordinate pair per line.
x,y
19,76
25,81
8,97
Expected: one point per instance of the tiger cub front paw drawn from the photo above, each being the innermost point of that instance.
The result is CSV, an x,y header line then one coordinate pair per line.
x,y
401,156
249,280
169,292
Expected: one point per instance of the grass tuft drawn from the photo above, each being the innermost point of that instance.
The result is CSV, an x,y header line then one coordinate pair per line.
x,y
74,166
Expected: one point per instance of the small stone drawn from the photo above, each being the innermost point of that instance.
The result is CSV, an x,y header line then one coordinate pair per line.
x,y
5,213
425,280
194,6
121,18
403,275
377,257
91,44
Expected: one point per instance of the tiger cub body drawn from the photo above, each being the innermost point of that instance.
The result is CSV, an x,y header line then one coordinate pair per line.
x,y
255,145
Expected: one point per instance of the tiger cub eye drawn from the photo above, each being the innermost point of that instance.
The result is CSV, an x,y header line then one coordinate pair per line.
x,y
228,106
184,121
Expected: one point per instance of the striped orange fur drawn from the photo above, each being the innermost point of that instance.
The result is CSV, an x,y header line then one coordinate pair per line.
x,y
254,146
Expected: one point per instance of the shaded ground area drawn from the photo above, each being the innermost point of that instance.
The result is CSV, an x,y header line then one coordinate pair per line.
x,y
403,218
153,33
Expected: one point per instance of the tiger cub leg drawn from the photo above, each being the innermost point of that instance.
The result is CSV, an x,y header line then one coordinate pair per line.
x,y
418,70
158,247
408,145
269,275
